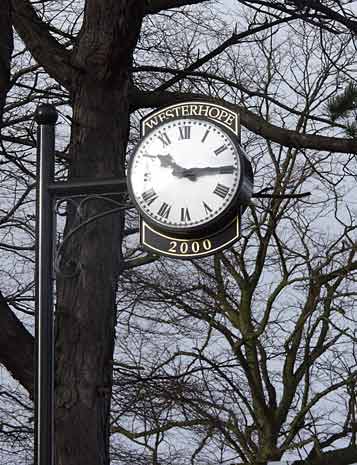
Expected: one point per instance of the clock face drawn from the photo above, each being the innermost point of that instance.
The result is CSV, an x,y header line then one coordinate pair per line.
x,y
185,174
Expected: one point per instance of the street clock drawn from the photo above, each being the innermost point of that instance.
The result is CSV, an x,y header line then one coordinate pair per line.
x,y
189,179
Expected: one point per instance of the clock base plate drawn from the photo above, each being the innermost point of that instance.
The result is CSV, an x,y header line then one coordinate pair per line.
x,y
160,243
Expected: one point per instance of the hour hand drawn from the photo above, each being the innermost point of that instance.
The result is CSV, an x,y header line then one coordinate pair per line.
x,y
168,161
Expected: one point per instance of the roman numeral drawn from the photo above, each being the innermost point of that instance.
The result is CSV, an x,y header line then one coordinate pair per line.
x,y
220,149
164,139
149,196
164,210
185,132
185,214
221,190
205,136
207,208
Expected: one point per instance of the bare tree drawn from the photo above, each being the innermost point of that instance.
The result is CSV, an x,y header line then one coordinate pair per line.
x,y
269,326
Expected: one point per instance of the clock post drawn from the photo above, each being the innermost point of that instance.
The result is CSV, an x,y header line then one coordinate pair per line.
x,y
190,179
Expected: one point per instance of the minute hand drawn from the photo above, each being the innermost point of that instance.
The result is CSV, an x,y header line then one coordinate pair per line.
x,y
207,170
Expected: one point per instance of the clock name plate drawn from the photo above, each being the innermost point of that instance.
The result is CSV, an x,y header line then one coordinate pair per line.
x,y
196,109
157,242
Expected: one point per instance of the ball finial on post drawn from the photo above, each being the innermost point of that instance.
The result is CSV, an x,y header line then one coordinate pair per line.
x,y
46,114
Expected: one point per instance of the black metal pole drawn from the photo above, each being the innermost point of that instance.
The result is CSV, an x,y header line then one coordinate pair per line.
x,y
46,117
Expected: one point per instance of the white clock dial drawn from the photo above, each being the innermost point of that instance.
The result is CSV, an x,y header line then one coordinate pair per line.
x,y
185,173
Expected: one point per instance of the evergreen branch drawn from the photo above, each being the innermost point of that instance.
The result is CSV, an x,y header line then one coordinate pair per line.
x,y
341,105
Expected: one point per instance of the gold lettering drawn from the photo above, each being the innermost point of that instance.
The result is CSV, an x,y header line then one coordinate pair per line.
x,y
173,245
195,247
162,117
152,122
230,120
207,244
203,110
193,109
214,113
185,110
183,247
223,115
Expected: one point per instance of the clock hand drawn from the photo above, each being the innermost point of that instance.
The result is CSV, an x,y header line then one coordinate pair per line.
x,y
168,161
192,173
207,170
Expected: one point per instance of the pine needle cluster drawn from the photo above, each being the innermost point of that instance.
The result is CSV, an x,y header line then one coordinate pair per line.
x,y
342,105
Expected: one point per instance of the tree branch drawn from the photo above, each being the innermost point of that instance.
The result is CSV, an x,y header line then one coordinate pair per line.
x,y
236,85
251,121
16,347
44,48
233,40
155,6
328,12
160,429
342,456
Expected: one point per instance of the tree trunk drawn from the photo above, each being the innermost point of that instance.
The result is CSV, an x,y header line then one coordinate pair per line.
x,y
6,47
86,301
86,310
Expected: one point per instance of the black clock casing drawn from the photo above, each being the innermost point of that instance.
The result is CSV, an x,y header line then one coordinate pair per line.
x,y
189,176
